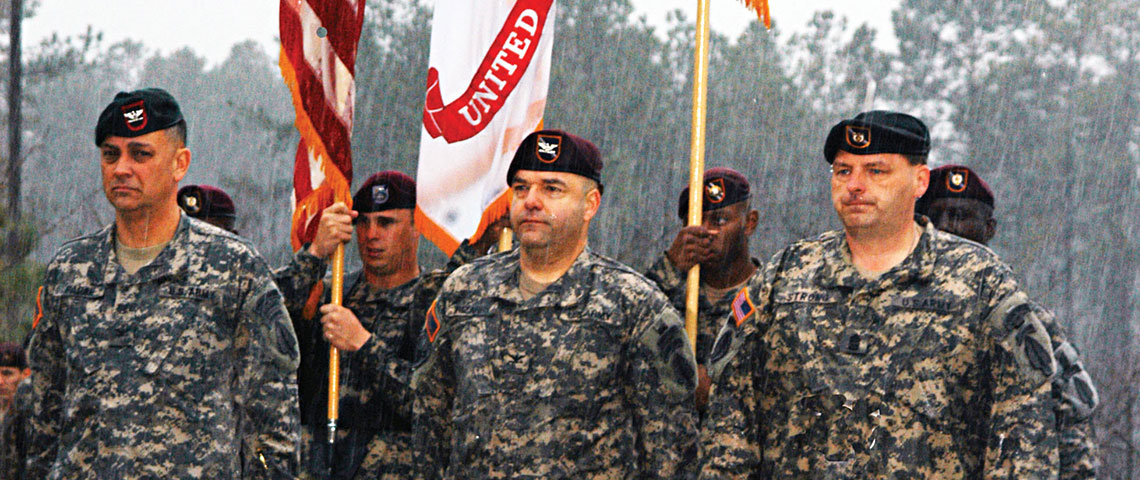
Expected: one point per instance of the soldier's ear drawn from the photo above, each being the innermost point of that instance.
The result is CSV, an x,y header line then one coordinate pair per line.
x,y
923,180
181,163
751,221
593,202
990,230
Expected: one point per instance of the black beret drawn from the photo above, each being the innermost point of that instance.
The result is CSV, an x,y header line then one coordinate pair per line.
x,y
954,181
12,355
878,131
557,151
386,190
723,187
205,201
138,113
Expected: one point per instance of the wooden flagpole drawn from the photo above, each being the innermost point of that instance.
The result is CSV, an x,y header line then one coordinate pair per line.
x,y
697,159
337,298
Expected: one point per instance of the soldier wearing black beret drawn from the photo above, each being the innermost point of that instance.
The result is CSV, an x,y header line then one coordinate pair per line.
x,y
170,330
886,349
560,359
720,246
209,204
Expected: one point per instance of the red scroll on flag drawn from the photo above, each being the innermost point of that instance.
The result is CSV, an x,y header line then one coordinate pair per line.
x,y
318,59
486,90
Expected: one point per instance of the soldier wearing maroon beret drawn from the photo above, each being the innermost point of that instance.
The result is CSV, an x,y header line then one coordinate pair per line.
x,y
720,246
209,204
958,201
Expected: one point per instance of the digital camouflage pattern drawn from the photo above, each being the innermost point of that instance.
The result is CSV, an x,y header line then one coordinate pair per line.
x,y
710,312
183,370
592,378
1075,398
374,435
13,433
939,368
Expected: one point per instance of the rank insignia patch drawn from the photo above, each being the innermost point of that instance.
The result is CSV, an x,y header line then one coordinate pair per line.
x,y
431,323
135,116
742,307
858,137
548,148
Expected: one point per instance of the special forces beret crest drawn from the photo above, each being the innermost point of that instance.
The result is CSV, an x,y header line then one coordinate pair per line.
x,y
557,151
878,131
137,113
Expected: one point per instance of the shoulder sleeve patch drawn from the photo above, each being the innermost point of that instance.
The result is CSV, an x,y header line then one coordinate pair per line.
x,y
431,322
742,307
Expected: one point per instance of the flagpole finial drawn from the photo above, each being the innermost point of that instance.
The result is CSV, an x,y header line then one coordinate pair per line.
x,y
761,9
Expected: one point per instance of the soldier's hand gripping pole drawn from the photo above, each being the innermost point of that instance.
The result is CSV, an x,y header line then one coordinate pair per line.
x,y
697,160
337,295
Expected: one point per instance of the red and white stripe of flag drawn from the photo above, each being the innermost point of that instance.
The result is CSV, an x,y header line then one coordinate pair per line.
x,y
318,58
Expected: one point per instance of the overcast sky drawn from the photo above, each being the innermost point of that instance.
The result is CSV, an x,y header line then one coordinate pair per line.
x,y
211,27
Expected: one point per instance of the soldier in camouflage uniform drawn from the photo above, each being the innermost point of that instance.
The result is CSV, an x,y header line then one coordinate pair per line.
x,y
376,330
163,348
720,246
959,202
551,361
888,349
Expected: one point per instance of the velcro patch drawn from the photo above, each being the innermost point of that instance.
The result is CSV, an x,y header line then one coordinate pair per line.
x,y
431,323
742,307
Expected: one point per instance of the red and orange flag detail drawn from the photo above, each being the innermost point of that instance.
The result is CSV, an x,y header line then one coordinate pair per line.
x,y
318,58
761,9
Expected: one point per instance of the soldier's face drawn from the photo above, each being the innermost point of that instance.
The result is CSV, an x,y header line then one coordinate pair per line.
x,y
551,209
964,217
876,192
730,226
386,240
9,379
142,173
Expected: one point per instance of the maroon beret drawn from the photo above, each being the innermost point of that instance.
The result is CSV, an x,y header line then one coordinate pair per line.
x,y
954,181
12,355
137,113
385,190
205,201
723,187
557,151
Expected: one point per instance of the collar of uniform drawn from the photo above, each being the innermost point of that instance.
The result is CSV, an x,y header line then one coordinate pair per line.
x,y
564,292
360,291
839,269
170,261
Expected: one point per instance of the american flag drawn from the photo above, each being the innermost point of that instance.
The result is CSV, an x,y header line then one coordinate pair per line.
x,y
318,59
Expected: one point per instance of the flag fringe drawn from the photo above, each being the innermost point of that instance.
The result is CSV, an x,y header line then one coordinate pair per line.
x,y
761,9
334,178
438,236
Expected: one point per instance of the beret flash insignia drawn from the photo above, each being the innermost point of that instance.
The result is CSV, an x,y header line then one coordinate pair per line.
x,y
379,194
858,137
957,180
548,148
191,203
134,114
714,190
